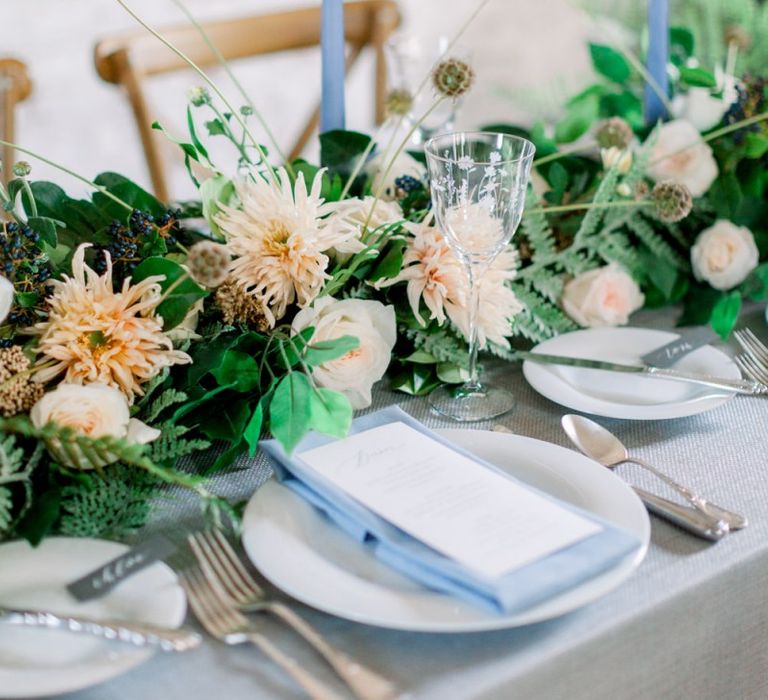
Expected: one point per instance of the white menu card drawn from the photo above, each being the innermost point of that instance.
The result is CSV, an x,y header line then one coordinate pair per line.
x,y
467,512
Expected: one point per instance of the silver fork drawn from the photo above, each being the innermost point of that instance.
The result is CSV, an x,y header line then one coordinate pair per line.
x,y
221,620
220,563
753,347
753,369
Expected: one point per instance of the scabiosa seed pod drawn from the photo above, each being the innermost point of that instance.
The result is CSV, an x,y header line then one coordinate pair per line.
x,y
198,96
208,263
738,36
614,133
673,201
452,77
399,102
22,169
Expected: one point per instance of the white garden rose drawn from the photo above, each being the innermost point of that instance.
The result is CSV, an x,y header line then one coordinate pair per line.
x,y
6,297
602,297
372,323
700,107
404,165
187,329
724,254
681,155
350,215
95,410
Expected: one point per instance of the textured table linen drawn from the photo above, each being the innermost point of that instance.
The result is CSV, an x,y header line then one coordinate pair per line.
x,y
692,622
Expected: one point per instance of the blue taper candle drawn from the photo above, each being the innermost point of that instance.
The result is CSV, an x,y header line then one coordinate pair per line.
x,y
332,49
658,53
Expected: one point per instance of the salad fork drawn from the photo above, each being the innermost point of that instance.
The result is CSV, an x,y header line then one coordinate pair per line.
x,y
221,620
752,368
222,567
753,347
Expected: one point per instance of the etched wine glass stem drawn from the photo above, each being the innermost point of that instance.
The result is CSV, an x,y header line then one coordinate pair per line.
x,y
473,273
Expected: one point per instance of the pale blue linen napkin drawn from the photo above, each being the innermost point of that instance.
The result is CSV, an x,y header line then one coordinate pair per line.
x,y
516,591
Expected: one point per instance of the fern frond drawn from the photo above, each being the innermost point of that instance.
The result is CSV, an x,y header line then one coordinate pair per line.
x,y
170,397
536,229
443,345
171,445
606,192
655,243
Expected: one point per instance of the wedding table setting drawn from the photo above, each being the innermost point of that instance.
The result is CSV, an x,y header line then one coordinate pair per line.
x,y
452,414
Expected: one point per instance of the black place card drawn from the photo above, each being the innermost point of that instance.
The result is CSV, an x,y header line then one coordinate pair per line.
x,y
106,577
690,340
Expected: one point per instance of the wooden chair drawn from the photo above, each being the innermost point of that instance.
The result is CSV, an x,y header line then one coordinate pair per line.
x,y
15,86
128,59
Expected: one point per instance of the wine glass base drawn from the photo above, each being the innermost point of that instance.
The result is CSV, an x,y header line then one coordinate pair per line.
x,y
467,403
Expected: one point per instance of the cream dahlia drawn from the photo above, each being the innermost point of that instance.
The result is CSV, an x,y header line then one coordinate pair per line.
x,y
279,241
94,334
351,215
434,273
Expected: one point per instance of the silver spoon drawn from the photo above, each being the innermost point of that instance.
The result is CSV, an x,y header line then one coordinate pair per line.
x,y
604,447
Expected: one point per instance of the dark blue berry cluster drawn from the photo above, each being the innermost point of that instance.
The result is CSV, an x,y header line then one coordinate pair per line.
x,y
752,100
142,237
23,262
406,184
411,194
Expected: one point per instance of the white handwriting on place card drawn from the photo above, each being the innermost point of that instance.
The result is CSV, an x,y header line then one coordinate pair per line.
x,y
460,508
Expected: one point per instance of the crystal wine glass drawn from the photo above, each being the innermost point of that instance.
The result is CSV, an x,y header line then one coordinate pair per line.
x,y
478,182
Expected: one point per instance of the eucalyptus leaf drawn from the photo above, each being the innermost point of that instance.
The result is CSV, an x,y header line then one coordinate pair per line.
x,y
610,63
253,429
46,227
725,314
238,370
328,350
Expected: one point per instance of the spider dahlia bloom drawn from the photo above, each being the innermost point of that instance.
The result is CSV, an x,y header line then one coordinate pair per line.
x,y
434,273
279,241
349,217
94,334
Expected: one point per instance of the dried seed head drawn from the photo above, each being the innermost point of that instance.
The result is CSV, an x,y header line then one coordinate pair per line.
x,y
614,133
399,103
673,201
738,36
208,263
237,306
18,391
22,168
452,77
198,96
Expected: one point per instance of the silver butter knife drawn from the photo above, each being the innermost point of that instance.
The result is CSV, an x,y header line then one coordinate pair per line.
x,y
739,386
136,633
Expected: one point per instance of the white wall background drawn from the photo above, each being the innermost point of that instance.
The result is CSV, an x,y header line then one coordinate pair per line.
x,y
528,54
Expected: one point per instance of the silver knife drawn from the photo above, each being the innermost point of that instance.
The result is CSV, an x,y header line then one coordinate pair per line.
x,y
136,633
689,519
739,386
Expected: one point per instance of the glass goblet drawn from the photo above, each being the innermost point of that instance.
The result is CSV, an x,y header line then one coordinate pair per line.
x,y
478,182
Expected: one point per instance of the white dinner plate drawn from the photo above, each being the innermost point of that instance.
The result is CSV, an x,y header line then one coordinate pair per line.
x,y
40,662
301,552
622,395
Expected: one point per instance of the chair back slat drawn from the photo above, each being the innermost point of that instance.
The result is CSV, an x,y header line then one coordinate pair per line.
x,y
15,86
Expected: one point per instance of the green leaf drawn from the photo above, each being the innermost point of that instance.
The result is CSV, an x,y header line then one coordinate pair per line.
x,y
725,314
253,429
27,300
416,380
228,421
579,117
297,408
756,285
725,195
327,350
681,42
213,192
610,63
46,227
128,191
339,149
421,357
698,306
183,296
452,374
697,77
41,516
756,145
238,370
193,134
215,127
391,264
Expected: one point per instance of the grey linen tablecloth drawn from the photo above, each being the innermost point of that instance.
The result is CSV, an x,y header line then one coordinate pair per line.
x,y
692,622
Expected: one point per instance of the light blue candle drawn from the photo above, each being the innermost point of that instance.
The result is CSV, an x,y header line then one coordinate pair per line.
x,y
658,53
332,48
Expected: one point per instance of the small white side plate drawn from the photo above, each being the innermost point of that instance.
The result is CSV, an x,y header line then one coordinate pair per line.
x,y
305,555
622,395
40,662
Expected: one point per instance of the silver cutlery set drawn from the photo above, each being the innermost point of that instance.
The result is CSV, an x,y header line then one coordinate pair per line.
x,y
225,597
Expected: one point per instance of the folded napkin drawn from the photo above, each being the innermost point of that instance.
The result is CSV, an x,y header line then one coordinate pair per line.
x,y
513,592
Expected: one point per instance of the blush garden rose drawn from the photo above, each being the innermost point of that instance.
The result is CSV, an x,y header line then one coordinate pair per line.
x,y
372,323
602,297
724,254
